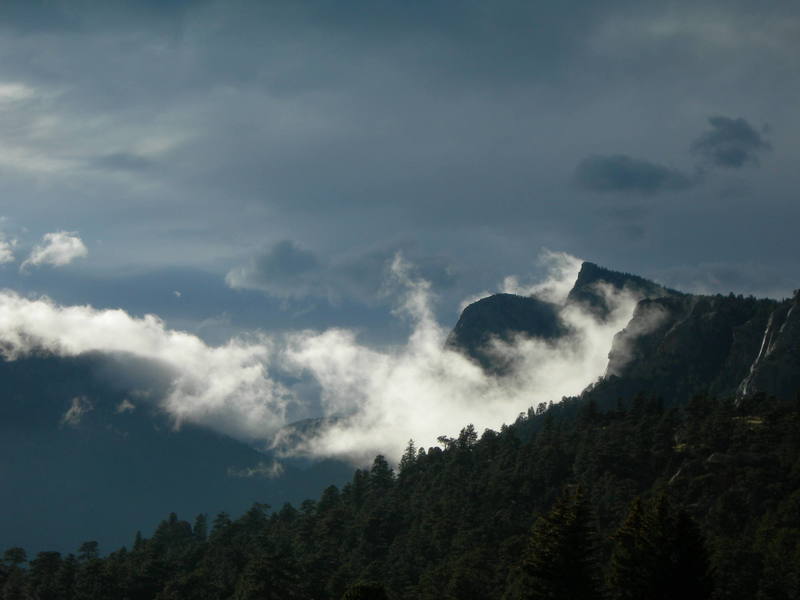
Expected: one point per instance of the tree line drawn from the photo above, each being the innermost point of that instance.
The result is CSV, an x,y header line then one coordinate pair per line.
x,y
639,500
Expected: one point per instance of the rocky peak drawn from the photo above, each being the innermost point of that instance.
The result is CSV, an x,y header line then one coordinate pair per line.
x,y
592,279
502,316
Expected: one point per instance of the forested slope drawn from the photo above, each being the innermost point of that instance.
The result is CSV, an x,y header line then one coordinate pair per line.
x,y
719,483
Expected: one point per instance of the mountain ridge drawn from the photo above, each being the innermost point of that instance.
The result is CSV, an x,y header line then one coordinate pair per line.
x,y
676,344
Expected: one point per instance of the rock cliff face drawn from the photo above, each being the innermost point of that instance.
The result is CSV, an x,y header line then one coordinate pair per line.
x,y
503,316
593,280
675,345
776,368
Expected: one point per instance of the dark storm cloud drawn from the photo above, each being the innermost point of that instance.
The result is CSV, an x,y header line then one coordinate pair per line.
x,y
730,143
285,270
621,173
355,128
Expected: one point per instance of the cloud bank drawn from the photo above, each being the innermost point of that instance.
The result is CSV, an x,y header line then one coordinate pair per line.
x,y
381,396
225,388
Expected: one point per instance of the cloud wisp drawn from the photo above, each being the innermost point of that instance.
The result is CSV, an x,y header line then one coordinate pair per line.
x,y
622,173
562,270
730,143
6,250
56,249
380,397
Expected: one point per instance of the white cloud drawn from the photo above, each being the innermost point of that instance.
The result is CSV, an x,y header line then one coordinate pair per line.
x,y
267,470
15,92
57,249
423,389
6,250
418,389
125,406
79,406
562,270
225,388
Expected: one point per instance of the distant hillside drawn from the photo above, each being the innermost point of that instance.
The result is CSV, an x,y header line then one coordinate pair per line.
x,y
75,436
695,501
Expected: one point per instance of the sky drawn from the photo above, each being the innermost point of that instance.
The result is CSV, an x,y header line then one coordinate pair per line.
x,y
257,167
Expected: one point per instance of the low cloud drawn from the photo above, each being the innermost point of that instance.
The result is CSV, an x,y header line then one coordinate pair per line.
x,y
56,249
730,143
379,396
226,388
562,270
623,174
423,389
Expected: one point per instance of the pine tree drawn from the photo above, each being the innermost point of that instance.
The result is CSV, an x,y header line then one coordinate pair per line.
x,y
628,577
659,554
42,576
561,560
365,591
200,529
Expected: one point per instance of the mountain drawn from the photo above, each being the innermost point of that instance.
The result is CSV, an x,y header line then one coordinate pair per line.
x,y
504,316
675,345
776,368
593,280
698,500
75,436
676,475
